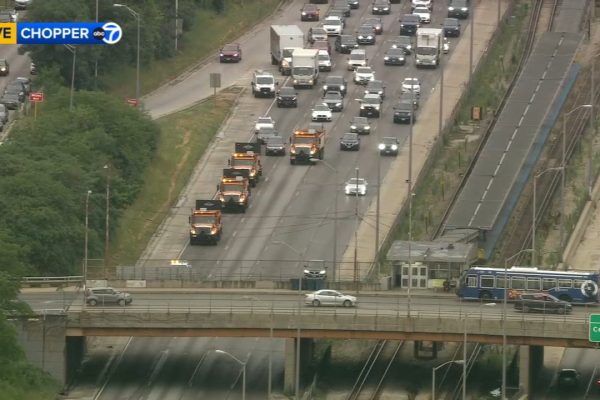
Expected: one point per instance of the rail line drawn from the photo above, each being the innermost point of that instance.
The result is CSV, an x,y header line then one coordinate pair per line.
x,y
532,25
370,380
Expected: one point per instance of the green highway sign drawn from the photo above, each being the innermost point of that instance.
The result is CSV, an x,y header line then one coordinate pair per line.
x,y
595,328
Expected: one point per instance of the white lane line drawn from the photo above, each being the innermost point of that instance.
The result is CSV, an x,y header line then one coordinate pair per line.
x,y
99,392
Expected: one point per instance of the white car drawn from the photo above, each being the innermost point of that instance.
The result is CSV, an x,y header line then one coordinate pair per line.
x,y
446,46
324,60
411,85
424,3
356,186
264,122
333,25
321,112
327,297
363,75
424,14
357,58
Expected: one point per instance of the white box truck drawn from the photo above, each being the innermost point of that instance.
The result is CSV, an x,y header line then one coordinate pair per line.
x,y
305,67
284,39
429,47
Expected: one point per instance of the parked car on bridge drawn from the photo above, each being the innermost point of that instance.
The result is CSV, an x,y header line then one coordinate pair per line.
x,y
328,297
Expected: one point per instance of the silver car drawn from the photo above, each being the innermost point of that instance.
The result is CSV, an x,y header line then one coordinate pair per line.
x,y
106,295
327,297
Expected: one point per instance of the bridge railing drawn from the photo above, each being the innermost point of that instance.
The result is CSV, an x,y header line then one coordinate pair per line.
x,y
51,280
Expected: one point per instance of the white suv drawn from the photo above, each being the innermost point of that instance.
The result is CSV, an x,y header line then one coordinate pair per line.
x,y
425,3
263,84
358,58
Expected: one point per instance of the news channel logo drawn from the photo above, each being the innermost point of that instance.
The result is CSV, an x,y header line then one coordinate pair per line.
x,y
75,33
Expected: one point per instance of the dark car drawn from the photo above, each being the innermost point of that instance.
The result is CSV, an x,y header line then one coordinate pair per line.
x,y
350,142
231,52
287,97
335,83
370,106
17,88
345,44
568,378
458,9
275,146
389,146
309,12
322,45
337,13
394,56
4,67
404,113
365,35
376,87
360,125
409,24
409,98
10,100
451,27
381,7
376,23
343,6
334,100
542,302
403,42
354,4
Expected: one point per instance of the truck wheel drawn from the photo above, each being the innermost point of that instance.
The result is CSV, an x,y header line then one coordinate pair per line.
x,y
121,302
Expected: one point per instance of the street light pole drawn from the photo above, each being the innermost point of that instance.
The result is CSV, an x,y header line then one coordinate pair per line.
x,y
73,50
137,68
563,177
506,287
409,181
534,217
356,273
107,222
243,364
85,246
457,362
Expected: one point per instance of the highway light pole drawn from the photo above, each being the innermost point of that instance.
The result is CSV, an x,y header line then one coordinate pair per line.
x,y
506,287
243,364
73,50
457,362
563,177
410,199
534,217
137,67
356,273
107,222
85,246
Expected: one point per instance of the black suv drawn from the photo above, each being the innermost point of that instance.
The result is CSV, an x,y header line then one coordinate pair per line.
x,y
403,42
345,44
365,35
334,83
343,6
458,9
360,125
287,97
350,142
334,100
451,27
404,113
389,146
542,302
409,24
381,7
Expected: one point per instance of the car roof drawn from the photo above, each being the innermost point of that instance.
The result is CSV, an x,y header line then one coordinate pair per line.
x,y
334,78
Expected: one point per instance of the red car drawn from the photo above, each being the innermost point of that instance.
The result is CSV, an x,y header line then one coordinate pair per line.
x,y
309,12
231,52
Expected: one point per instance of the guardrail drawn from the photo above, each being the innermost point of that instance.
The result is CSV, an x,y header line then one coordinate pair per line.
x,y
50,280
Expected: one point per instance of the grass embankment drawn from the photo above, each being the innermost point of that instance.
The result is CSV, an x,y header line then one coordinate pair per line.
x,y
184,137
209,32
434,192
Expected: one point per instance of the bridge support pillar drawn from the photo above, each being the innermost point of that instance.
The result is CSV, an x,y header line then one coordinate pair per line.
x,y
306,355
531,360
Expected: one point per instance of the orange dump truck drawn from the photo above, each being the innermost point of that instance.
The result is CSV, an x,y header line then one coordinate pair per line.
x,y
247,157
234,189
205,222
307,144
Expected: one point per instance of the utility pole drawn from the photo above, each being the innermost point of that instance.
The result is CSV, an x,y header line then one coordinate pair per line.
x,y
107,222
356,271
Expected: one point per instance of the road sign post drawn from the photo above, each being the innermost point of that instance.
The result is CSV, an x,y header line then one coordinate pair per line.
x,y
215,81
35,98
595,328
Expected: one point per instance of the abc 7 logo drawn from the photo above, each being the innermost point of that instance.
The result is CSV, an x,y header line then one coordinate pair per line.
x,y
109,33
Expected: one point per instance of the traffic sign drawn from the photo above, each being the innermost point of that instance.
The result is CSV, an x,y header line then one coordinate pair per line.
x,y
595,328
36,97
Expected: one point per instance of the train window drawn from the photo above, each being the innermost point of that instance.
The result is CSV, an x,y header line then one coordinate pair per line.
x,y
518,282
565,283
548,283
500,281
533,283
472,281
487,281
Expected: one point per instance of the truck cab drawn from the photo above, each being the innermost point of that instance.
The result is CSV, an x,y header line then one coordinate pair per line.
x,y
305,68
263,84
307,144
205,222
234,190
247,157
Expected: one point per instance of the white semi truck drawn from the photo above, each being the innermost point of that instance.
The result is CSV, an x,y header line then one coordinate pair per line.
x,y
284,40
305,67
429,47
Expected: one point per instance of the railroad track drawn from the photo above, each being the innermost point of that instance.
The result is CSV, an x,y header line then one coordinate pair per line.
x,y
532,27
369,383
